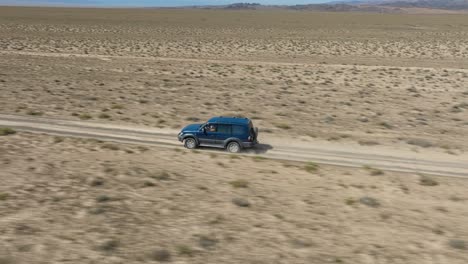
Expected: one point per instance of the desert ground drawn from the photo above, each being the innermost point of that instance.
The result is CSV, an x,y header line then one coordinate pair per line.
x,y
65,200
369,78
378,80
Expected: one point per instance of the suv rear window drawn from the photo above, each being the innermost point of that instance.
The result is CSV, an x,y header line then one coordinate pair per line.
x,y
224,129
238,130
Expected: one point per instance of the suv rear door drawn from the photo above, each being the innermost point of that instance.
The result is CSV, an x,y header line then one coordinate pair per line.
x,y
223,133
240,132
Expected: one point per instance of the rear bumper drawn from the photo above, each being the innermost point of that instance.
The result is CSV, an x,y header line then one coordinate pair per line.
x,y
249,144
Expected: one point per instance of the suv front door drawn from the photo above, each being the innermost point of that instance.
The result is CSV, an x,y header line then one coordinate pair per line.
x,y
207,135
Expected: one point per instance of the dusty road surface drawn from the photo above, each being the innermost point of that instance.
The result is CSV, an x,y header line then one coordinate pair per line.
x,y
352,155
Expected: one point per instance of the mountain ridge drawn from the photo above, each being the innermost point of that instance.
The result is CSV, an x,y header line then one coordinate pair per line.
x,y
380,6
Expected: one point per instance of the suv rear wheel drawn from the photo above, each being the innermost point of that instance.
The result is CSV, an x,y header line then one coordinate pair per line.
x,y
190,143
233,147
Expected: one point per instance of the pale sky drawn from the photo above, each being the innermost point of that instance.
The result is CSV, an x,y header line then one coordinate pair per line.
x,y
161,3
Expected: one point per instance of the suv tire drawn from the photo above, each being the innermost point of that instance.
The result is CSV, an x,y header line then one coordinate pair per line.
x,y
190,143
233,147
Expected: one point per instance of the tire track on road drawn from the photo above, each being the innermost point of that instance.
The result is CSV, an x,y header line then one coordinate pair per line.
x,y
350,156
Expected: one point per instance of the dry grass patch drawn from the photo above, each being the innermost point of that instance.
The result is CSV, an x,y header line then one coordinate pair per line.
x,y
283,126
311,167
239,184
427,181
185,250
458,244
161,255
5,131
4,196
374,171
259,158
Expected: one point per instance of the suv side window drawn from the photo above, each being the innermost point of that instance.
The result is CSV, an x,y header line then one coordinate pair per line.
x,y
211,128
224,129
238,130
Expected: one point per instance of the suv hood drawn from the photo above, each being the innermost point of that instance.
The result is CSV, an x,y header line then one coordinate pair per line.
x,y
191,128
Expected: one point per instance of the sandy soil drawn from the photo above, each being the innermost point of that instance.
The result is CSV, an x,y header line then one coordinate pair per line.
x,y
374,79
82,201
396,80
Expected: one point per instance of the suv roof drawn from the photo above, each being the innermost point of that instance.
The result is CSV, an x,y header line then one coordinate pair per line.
x,y
230,120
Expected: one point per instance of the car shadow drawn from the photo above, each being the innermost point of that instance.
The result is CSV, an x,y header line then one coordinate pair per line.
x,y
259,149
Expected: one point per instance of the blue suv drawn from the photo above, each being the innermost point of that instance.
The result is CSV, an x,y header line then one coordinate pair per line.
x,y
230,133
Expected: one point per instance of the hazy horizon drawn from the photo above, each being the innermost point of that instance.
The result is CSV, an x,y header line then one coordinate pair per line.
x,y
147,3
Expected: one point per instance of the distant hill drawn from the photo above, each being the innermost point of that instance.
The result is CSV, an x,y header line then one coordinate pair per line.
x,y
343,7
434,4
377,6
243,6
431,4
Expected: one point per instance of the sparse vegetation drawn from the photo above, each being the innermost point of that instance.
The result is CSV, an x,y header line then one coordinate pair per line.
x,y
142,148
103,198
427,181
104,116
234,156
109,245
34,113
350,201
239,184
283,126
117,106
3,196
185,250
419,142
259,158
192,119
85,116
161,176
97,182
374,171
110,146
207,242
161,255
58,139
5,131
311,167
458,244
368,142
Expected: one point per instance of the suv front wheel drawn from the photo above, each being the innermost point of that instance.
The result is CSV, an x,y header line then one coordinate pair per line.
x,y
190,143
233,147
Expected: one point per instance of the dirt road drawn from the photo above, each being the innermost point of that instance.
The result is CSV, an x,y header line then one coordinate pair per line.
x,y
426,161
